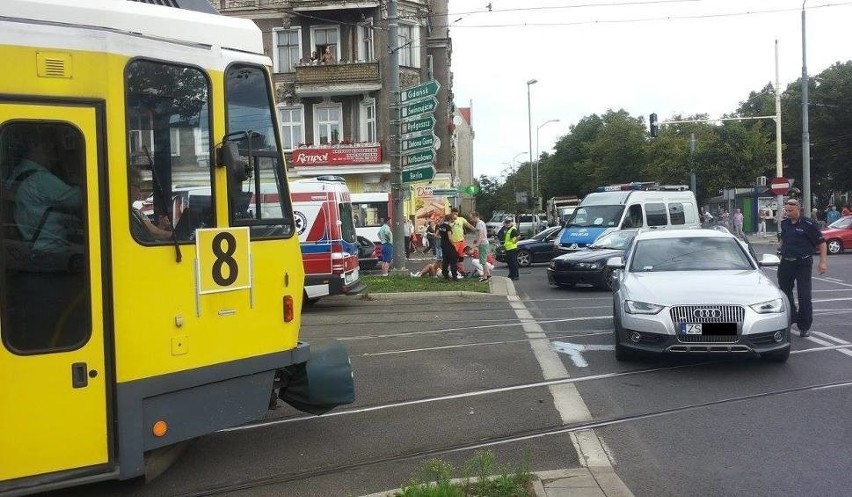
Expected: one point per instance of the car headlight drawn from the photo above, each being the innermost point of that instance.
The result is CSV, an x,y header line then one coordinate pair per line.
x,y
770,306
634,307
587,265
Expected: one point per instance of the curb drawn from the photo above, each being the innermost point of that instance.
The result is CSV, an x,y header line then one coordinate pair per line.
x,y
411,295
576,482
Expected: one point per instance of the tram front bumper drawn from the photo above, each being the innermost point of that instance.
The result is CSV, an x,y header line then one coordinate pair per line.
x,y
322,383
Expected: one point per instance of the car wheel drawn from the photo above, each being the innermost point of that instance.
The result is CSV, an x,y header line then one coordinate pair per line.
x,y
777,356
524,258
834,246
606,279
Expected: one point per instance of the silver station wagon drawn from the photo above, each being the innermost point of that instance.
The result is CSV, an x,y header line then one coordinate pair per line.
x,y
697,291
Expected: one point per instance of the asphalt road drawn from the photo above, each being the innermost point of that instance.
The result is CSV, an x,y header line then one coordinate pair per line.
x,y
439,377
691,427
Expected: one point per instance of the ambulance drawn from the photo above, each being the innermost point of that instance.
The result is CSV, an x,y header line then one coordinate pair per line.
x,y
323,216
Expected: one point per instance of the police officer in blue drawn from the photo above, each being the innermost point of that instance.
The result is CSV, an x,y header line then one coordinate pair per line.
x,y
800,237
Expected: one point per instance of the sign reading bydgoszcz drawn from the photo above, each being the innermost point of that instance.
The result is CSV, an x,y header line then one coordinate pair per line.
x,y
421,91
418,108
417,158
416,125
336,156
424,141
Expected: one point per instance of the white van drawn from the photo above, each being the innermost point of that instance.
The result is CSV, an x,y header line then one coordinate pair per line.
x,y
632,205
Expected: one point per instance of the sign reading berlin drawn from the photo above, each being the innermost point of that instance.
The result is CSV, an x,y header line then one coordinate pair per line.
x,y
423,90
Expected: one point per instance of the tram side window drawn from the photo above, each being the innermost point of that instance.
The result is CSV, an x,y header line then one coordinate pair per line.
x,y
45,284
258,195
168,137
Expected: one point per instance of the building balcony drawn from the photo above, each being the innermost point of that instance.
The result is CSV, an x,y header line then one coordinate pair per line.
x,y
318,5
337,79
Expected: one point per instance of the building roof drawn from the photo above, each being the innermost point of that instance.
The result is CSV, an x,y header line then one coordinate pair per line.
x,y
465,113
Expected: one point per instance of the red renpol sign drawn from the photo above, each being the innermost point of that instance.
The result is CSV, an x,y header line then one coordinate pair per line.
x,y
338,156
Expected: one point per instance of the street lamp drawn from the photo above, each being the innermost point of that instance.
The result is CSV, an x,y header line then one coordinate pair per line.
x,y
529,132
538,157
806,137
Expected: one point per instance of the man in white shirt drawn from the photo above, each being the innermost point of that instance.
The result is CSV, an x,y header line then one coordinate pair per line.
x,y
408,230
481,243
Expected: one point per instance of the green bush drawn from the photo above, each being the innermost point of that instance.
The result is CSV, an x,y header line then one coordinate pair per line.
x,y
477,480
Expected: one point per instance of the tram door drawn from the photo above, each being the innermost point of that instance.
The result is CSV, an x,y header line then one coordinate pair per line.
x,y
53,382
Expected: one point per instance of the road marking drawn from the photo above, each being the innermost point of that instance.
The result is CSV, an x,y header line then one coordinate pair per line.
x,y
832,300
479,344
566,398
828,339
575,351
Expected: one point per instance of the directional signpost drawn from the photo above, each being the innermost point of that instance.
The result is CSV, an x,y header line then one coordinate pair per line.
x,y
417,143
419,92
420,173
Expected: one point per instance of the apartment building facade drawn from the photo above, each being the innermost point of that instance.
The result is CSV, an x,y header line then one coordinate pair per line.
x,y
330,71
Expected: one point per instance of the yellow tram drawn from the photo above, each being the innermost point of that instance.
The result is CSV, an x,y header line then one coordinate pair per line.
x,y
145,297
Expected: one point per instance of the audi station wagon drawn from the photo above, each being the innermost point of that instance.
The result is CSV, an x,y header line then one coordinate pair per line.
x,y
697,291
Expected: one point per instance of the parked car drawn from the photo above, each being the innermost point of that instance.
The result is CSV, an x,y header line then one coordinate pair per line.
x,y
367,258
588,265
838,235
697,291
539,248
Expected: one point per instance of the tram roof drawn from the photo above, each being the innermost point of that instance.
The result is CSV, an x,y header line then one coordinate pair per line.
x,y
139,18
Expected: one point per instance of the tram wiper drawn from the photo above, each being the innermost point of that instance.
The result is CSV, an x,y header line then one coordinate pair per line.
x,y
161,194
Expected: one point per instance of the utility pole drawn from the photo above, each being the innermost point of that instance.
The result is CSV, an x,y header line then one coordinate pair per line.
x,y
806,136
692,163
397,193
779,168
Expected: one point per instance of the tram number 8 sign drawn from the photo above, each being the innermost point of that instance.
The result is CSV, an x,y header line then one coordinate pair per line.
x,y
223,259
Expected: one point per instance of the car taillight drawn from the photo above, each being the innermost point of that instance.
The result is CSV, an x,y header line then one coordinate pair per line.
x,y
289,312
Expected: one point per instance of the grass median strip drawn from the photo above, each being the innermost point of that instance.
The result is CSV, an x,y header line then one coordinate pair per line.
x,y
406,283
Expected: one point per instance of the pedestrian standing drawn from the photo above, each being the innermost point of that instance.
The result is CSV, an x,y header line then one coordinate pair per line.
x,y
510,243
800,237
407,231
738,223
481,243
832,214
762,217
450,259
386,239
430,237
459,224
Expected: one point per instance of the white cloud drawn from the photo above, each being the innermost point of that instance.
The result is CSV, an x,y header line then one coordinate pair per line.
x,y
677,66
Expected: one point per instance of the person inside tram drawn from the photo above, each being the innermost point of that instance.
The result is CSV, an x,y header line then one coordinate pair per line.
x,y
46,206
142,227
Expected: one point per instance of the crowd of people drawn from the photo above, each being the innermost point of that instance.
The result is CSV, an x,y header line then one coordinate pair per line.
x,y
445,241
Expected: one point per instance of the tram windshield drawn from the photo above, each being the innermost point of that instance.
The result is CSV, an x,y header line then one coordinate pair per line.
x,y
258,196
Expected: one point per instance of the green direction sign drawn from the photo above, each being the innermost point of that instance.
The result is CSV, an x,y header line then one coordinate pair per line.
x,y
419,92
418,108
423,173
417,125
424,141
417,158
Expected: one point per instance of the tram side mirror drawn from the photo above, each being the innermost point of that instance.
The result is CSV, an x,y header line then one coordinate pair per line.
x,y
228,156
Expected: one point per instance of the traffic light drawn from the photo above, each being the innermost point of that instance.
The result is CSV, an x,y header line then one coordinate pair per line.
x,y
655,128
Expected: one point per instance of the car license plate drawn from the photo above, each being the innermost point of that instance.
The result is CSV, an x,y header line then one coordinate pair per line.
x,y
690,328
351,277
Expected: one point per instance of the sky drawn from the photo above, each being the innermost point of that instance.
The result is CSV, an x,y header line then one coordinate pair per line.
x,y
664,56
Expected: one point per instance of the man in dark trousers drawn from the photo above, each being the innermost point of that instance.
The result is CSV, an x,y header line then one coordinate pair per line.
x,y
510,243
450,257
800,237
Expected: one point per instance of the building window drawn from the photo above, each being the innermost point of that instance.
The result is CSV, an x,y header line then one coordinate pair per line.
x,y
328,127
288,49
365,41
325,43
409,43
292,126
368,121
